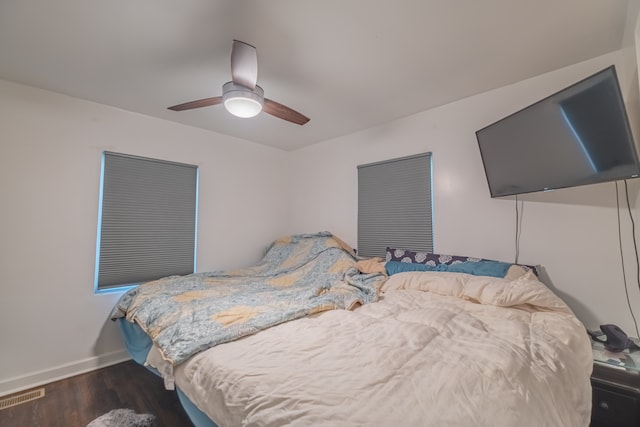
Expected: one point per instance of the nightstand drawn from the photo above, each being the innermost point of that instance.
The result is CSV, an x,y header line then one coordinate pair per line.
x,y
616,388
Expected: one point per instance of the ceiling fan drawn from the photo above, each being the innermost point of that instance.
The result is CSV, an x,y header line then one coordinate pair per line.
x,y
242,97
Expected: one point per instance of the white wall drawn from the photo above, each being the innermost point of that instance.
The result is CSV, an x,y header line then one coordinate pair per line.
x,y
51,322
572,233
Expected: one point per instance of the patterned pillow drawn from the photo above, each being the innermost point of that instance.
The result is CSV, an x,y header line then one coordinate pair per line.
x,y
428,258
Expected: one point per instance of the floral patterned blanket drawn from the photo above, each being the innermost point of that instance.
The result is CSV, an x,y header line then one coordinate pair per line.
x,y
299,275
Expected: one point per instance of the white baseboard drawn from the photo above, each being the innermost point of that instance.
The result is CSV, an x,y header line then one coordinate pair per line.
x,y
46,376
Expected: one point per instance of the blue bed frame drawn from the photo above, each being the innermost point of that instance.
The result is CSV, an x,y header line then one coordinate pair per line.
x,y
138,345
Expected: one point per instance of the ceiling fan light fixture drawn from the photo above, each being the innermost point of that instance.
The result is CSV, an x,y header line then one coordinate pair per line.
x,y
241,101
243,107
242,97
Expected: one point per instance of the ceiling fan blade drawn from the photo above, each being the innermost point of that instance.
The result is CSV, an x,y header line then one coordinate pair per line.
x,y
206,102
283,112
244,64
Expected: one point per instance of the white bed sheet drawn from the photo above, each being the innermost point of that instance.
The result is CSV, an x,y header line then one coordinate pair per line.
x,y
438,349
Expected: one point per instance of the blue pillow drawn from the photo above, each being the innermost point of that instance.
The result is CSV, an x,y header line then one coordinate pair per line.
x,y
477,268
480,268
394,267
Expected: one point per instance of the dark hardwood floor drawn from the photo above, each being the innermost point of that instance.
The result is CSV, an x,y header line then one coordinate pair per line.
x,y
76,401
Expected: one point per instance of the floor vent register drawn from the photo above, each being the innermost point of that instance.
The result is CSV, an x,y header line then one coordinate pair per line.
x,y
17,399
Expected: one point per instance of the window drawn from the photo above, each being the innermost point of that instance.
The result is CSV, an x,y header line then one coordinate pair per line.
x,y
147,220
395,205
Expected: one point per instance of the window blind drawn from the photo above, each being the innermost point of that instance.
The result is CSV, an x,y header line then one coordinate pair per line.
x,y
394,205
147,220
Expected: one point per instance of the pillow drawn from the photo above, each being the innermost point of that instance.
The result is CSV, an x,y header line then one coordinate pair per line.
x,y
476,268
428,258
479,268
516,271
395,267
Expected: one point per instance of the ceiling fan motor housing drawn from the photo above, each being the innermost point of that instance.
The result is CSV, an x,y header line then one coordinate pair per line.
x,y
242,101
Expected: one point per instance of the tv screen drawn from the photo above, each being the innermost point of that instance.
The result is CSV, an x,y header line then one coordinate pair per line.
x,y
579,135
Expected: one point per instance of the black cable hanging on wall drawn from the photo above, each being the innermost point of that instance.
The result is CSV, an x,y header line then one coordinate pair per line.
x,y
518,228
635,246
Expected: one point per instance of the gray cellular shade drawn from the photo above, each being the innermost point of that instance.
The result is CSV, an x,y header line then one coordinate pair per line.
x,y
394,205
147,226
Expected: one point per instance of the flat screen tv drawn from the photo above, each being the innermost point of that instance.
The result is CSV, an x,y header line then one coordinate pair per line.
x,y
577,136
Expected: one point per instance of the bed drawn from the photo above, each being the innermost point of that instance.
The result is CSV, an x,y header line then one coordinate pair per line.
x,y
451,342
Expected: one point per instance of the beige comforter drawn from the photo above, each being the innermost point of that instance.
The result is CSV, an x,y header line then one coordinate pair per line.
x,y
438,349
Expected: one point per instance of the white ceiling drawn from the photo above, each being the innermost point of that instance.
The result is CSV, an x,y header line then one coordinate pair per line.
x,y
346,64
